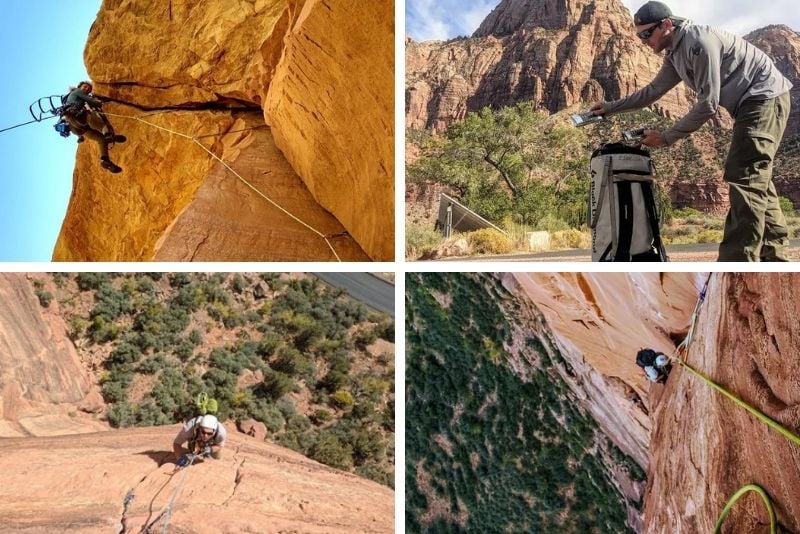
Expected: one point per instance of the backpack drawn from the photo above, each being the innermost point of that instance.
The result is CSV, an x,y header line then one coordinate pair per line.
x,y
646,358
622,209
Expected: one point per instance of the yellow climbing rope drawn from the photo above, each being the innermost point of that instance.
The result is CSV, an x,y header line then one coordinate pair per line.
x,y
736,496
195,139
785,432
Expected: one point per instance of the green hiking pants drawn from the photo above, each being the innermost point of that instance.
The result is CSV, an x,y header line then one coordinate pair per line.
x,y
755,229
92,127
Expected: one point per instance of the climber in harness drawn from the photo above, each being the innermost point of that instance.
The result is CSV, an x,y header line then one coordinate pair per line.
x,y
82,113
205,437
656,365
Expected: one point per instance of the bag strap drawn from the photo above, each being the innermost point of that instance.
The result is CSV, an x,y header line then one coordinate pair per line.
x,y
603,185
652,214
623,249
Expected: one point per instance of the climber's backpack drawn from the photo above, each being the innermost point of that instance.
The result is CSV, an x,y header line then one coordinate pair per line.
x,y
646,357
622,209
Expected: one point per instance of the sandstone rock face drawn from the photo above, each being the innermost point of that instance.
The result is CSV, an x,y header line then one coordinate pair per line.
x,y
590,318
551,52
782,44
207,73
43,385
79,484
703,446
332,112
555,54
698,446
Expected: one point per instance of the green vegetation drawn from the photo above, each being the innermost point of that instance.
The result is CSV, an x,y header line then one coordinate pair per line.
x,y
510,163
497,453
288,361
526,171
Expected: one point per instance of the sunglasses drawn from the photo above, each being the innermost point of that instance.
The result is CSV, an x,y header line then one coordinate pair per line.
x,y
645,34
207,432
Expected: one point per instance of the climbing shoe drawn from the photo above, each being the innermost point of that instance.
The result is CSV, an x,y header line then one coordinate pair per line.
x,y
110,166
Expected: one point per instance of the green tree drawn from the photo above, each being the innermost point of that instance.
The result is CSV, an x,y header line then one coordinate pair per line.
x,y
510,162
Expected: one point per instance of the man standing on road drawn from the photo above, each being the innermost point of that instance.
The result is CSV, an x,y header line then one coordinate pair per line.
x,y
724,70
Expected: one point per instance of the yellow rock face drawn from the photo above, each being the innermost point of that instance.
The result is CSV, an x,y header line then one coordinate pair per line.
x,y
204,69
330,105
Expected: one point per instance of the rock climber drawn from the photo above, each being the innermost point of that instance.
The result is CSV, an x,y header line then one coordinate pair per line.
x,y
724,70
656,365
82,114
204,437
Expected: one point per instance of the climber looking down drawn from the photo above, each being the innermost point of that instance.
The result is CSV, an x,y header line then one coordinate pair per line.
x,y
82,114
204,436
655,364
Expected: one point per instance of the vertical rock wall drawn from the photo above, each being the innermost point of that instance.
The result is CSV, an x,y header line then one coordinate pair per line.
x,y
703,446
204,69
331,106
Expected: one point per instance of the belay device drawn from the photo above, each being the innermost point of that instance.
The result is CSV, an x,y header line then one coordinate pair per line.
x,y
622,210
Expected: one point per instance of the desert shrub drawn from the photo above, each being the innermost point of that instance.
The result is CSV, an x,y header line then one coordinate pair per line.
x,y
570,239
321,416
88,281
421,240
120,415
365,338
551,223
275,385
489,241
685,213
45,297
239,283
787,206
709,236
269,414
293,363
342,399
329,450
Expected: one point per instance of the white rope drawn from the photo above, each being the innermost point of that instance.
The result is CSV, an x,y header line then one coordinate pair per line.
x,y
239,176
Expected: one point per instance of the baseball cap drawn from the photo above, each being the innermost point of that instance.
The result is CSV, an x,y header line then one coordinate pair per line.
x,y
655,12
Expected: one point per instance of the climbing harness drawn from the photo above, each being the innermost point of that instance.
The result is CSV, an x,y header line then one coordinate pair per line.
x,y
195,139
785,432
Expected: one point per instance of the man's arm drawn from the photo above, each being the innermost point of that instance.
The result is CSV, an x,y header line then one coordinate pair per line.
x,y
707,74
83,97
666,79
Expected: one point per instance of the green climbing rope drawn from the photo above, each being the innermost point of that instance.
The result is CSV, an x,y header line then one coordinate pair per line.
x,y
736,496
785,432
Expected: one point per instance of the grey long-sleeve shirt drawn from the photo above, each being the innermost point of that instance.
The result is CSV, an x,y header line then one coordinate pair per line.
x,y
723,69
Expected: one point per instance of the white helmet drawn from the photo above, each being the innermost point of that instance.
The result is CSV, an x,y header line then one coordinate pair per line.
x,y
209,421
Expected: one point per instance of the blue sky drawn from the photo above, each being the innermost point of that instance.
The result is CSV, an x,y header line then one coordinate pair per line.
x,y
42,55
445,19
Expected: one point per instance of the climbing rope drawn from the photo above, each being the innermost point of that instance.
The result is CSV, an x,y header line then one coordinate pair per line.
x,y
24,123
736,496
166,514
785,432
195,139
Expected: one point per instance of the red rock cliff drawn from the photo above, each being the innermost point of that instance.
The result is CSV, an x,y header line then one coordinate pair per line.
x,y
698,447
43,385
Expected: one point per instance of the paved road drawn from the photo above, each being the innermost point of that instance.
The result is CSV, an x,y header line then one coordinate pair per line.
x,y
366,288
689,253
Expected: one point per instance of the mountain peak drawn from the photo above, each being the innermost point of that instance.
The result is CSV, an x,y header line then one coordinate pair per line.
x,y
511,16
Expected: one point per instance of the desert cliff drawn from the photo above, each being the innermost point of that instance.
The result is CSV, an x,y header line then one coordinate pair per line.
x,y
698,447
